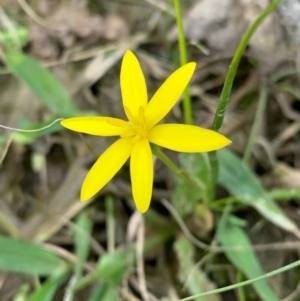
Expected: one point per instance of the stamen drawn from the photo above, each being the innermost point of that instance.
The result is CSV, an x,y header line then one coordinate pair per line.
x,y
135,139
117,122
142,118
129,114
137,130
127,134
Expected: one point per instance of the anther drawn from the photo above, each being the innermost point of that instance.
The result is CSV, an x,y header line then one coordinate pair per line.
x,y
142,118
129,113
117,122
127,134
135,139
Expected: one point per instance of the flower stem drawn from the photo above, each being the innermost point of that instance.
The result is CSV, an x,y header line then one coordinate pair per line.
x,y
187,107
173,167
263,97
224,97
223,100
164,158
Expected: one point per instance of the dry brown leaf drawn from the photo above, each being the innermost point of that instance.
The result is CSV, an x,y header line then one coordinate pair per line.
x,y
282,176
221,29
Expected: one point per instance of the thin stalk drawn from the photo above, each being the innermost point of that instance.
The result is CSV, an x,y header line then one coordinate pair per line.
x,y
263,97
110,224
222,104
187,107
173,167
165,159
8,226
224,97
234,286
241,291
285,194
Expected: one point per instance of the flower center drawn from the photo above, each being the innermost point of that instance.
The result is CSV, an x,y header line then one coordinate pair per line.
x,y
136,130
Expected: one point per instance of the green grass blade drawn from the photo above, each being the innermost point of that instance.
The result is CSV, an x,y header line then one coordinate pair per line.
x,y
112,266
82,233
238,179
187,103
27,258
222,104
259,115
48,289
42,83
105,292
244,283
187,195
226,91
82,241
194,279
9,38
232,235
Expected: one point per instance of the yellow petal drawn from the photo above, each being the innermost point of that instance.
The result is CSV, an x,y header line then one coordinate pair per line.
x,y
168,94
106,167
187,138
133,86
141,171
99,126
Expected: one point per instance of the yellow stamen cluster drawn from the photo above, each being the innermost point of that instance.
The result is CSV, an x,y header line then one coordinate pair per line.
x,y
136,130
142,129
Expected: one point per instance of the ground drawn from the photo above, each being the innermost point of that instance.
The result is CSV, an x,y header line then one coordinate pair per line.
x,y
181,246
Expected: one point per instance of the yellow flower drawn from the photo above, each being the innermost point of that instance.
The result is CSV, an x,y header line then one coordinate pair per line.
x,y
140,130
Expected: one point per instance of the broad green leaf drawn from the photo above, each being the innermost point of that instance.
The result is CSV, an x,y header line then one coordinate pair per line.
x,y
105,292
239,180
112,266
27,258
245,260
188,194
42,83
194,279
82,234
48,289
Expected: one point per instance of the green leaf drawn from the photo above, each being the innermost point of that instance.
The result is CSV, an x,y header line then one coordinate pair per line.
x,y
105,292
82,236
188,194
25,257
195,280
232,235
48,289
11,38
112,266
42,83
239,180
